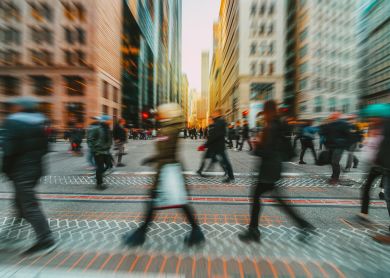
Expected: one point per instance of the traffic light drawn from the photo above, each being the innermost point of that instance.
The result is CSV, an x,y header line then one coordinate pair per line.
x,y
145,115
245,113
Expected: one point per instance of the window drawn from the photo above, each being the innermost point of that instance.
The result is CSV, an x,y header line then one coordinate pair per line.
x,y
80,10
41,11
105,89
69,35
303,51
9,57
262,9
9,11
262,68
253,49
263,48
75,113
253,9
271,68
332,104
303,68
10,86
10,35
68,55
270,28
303,84
116,95
303,34
75,85
272,8
318,104
42,85
68,11
81,57
47,11
253,68
115,113
41,57
262,29
41,35
271,48
105,109
345,105
81,35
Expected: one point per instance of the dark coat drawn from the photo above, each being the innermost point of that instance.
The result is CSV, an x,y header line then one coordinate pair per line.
x,y
245,132
119,133
383,157
216,139
100,139
25,144
337,134
269,150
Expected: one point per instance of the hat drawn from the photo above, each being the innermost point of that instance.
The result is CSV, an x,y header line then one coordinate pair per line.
x,y
27,103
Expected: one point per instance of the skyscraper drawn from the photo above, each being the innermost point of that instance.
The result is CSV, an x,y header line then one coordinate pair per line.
x,y
205,75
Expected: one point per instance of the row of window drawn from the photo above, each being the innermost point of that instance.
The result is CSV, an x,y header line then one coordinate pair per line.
x,y
262,9
262,68
319,83
264,48
10,35
262,29
332,105
42,57
106,92
9,11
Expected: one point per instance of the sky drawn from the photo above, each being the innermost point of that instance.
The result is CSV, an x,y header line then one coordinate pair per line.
x,y
197,35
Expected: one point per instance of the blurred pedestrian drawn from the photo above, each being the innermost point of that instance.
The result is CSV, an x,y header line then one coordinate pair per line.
x,y
100,141
337,134
307,138
355,139
383,160
231,135
216,142
237,133
24,146
245,136
120,138
90,155
201,133
76,138
171,119
270,150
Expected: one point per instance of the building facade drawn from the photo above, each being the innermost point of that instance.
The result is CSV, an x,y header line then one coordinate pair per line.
x,y
65,53
321,57
252,54
205,74
215,79
375,52
151,54
184,98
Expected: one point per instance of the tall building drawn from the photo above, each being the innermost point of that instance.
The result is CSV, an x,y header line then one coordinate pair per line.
x,y
205,74
151,56
252,46
215,71
184,97
321,57
66,53
375,52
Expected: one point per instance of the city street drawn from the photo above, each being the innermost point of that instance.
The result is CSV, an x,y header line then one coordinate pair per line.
x,y
89,224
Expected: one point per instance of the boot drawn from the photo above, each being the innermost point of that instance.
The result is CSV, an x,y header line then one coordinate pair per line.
x,y
252,234
196,237
135,239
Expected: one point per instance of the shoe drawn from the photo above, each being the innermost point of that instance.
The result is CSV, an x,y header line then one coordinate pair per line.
x,y
384,239
252,234
196,237
333,181
120,165
40,248
200,173
135,239
381,195
302,162
101,187
228,180
363,217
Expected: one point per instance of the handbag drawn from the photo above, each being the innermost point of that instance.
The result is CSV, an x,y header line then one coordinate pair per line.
x,y
171,191
323,158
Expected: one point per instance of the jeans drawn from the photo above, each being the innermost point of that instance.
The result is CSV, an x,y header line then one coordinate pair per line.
x,y
335,156
103,162
28,205
374,173
224,160
352,157
245,140
90,158
307,144
258,191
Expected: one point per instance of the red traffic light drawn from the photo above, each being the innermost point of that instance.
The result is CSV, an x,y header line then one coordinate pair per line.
x,y
145,115
245,113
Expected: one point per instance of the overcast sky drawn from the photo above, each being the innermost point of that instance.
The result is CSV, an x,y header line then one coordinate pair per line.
x,y
198,19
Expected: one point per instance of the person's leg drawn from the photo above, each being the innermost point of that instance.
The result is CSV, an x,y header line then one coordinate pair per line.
x,y
100,168
31,210
226,163
365,191
311,147
303,150
336,157
250,145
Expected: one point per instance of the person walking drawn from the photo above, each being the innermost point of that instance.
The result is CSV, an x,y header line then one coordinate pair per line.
x,y
171,120
307,138
337,134
237,133
216,142
355,138
90,156
230,135
269,149
24,146
201,133
100,141
120,138
76,138
245,136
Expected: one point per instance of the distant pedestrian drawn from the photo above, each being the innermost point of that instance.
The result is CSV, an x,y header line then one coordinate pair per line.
x,y
76,138
201,133
307,138
120,138
245,136
269,149
355,139
90,155
171,120
100,141
237,132
230,135
337,134
24,146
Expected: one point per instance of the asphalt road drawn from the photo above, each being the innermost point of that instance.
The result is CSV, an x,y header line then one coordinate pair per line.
x,y
89,223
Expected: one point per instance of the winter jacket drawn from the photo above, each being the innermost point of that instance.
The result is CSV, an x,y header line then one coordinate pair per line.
x,y
337,134
383,156
100,139
25,143
216,138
